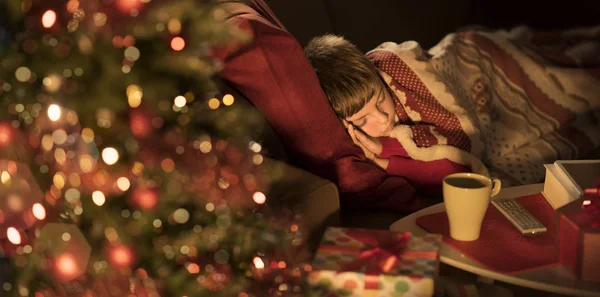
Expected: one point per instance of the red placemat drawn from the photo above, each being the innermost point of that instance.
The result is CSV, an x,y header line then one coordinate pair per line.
x,y
500,246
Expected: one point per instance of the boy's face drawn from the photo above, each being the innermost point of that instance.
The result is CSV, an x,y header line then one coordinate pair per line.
x,y
378,116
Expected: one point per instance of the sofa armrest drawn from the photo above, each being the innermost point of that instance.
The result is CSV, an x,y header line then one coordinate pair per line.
x,y
314,198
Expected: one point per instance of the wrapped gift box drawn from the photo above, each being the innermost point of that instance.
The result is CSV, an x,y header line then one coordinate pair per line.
x,y
364,262
579,237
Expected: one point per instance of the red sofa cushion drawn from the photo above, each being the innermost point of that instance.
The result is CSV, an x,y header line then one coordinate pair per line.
x,y
274,74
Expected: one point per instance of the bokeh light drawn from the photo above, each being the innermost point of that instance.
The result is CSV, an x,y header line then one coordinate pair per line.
x,y
259,198
66,266
228,100
54,112
110,155
180,101
177,43
98,198
258,263
49,18
13,235
39,211
123,183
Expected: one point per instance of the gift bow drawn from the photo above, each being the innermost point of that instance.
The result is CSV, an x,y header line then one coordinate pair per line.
x,y
379,253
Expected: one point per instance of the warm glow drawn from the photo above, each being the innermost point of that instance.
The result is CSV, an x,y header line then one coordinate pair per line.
x,y
54,112
258,263
259,197
121,256
110,155
49,18
66,266
180,101
214,103
134,95
5,134
13,235
228,100
98,198
39,211
193,268
123,183
5,177
145,198
177,43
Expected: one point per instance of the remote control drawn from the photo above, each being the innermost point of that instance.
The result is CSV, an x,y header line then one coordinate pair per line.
x,y
520,217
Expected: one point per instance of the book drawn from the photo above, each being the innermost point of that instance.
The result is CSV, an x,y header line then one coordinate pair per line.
x,y
566,179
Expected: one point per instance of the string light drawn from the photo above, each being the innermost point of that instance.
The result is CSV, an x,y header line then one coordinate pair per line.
x,y
13,235
98,198
259,198
54,112
39,211
48,18
177,43
110,155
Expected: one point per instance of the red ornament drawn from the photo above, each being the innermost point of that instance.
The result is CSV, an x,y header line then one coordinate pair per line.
x,y
146,198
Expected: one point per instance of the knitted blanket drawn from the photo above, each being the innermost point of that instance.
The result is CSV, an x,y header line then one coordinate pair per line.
x,y
503,103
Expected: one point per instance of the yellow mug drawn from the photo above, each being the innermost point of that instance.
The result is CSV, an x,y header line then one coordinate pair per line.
x,y
466,198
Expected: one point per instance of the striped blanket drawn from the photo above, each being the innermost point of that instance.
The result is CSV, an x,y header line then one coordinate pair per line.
x,y
502,102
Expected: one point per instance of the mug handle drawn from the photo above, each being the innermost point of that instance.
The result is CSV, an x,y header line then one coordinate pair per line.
x,y
496,186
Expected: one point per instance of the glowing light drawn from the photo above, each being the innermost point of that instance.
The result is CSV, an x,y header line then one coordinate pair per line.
x,y
54,112
586,203
134,95
180,101
181,216
228,100
193,268
59,180
49,18
5,177
121,256
177,43
13,235
67,265
98,198
132,52
87,135
5,134
214,103
23,74
128,5
174,26
145,198
255,147
110,155
258,263
259,198
39,212
123,183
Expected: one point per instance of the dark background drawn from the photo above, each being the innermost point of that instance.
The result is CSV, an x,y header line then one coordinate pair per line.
x,y
368,23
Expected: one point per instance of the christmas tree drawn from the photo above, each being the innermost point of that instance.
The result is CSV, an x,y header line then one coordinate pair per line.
x,y
120,173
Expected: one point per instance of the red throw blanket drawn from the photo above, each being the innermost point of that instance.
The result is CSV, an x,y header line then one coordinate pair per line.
x,y
504,103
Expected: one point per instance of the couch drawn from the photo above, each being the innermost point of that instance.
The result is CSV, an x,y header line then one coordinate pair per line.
x,y
306,152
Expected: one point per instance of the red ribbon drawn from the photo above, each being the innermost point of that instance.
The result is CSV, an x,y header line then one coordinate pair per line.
x,y
380,251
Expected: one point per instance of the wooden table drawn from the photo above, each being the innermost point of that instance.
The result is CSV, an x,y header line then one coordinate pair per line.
x,y
556,279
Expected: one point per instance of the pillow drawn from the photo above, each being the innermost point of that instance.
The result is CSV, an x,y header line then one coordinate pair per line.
x,y
274,74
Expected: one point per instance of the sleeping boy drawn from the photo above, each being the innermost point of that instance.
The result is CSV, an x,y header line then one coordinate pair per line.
x,y
370,111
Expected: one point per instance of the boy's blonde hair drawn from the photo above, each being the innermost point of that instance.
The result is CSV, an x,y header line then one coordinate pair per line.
x,y
348,78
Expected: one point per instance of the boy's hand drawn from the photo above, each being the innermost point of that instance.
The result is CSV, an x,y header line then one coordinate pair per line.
x,y
370,146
